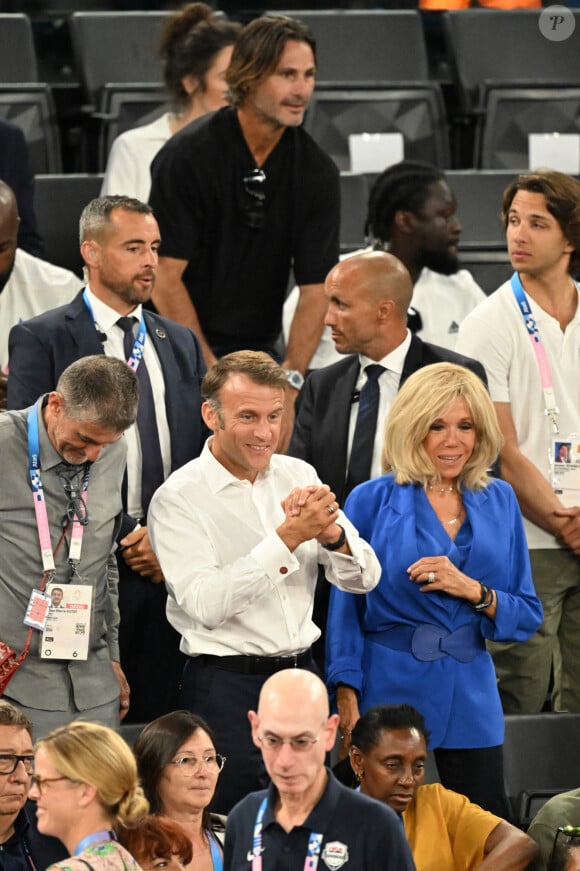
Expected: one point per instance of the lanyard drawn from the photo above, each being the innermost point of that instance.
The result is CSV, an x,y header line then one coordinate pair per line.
x,y
40,502
95,838
551,409
312,853
28,854
139,345
216,856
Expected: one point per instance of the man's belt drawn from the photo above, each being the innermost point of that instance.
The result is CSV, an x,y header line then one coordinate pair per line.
x,y
428,643
257,664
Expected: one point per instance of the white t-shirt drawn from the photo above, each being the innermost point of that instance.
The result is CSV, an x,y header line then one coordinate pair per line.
x,y
444,301
34,287
495,335
130,159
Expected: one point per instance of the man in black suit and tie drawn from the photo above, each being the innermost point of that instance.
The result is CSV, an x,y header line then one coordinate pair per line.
x,y
341,408
119,244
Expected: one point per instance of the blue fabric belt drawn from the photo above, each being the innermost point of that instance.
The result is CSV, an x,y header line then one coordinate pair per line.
x,y
427,642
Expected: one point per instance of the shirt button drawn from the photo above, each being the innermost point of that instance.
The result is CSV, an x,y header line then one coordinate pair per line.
x,y
283,570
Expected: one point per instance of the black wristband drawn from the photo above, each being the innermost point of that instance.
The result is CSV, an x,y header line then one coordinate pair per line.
x,y
336,545
484,594
488,602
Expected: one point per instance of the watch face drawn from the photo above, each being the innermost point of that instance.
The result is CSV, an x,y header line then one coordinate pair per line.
x,y
295,379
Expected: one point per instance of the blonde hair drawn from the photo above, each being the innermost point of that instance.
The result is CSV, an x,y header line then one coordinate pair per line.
x,y
94,754
424,397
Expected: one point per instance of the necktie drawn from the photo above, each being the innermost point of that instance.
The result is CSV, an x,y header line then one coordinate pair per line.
x,y
151,460
361,454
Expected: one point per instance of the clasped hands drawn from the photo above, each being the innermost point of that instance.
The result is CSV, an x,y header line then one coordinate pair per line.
x,y
310,512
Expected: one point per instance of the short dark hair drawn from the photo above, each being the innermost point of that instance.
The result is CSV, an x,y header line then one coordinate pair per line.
x,y
12,716
367,731
258,50
403,186
562,195
102,390
257,365
157,745
190,40
97,214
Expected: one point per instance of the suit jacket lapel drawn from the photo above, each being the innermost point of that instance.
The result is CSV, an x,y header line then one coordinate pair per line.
x,y
414,359
81,328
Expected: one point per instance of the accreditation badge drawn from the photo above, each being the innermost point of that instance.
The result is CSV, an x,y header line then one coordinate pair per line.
x,y
68,624
565,468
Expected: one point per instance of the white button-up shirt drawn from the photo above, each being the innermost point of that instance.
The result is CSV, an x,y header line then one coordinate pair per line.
x,y
234,587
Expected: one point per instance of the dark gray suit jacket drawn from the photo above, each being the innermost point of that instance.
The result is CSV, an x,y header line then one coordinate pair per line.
x,y
323,408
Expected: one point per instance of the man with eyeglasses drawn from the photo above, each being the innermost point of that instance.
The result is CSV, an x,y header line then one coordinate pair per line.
x,y
22,847
244,195
61,465
306,815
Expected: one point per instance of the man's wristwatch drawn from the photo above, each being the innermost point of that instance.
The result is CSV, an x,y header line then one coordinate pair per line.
x,y
295,379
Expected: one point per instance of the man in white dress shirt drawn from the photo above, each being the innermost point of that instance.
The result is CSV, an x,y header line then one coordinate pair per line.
x,y
239,533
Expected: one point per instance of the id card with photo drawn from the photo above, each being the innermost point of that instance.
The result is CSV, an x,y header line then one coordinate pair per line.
x,y
68,625
565,467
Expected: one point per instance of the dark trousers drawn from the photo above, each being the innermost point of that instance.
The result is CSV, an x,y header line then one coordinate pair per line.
x,y
223,699
150,655
476,773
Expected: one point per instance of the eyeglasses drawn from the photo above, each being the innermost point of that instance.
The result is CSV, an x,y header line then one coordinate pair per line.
x,y
565,835
190,765
76,509
9,763
254,188
40,782
299,745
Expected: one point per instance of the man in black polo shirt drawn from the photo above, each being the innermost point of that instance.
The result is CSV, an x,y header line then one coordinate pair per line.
x,y
306,813
243,196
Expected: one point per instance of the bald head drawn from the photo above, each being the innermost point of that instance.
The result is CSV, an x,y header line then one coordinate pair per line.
x,y
368,297
9,221
377,274
292,688
294,731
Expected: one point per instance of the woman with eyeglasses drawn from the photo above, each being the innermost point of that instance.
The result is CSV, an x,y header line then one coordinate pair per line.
x,y
85,784
179,768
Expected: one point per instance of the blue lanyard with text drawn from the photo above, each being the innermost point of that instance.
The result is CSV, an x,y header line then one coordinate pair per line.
x,y
551,409
139,345
95,838
312,853
216,856
40,502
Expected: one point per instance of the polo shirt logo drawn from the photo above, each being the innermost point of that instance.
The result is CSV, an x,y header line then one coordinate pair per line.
x,y
335,855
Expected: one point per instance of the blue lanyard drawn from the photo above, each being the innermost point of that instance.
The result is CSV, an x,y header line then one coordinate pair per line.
x,y
312,853
551,409
95,838
139,345
216,856
40,502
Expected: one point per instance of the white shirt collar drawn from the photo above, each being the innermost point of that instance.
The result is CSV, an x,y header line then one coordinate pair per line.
x,y
104,315
394,361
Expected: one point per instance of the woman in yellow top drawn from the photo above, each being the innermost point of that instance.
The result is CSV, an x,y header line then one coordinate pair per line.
x,y
446,832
